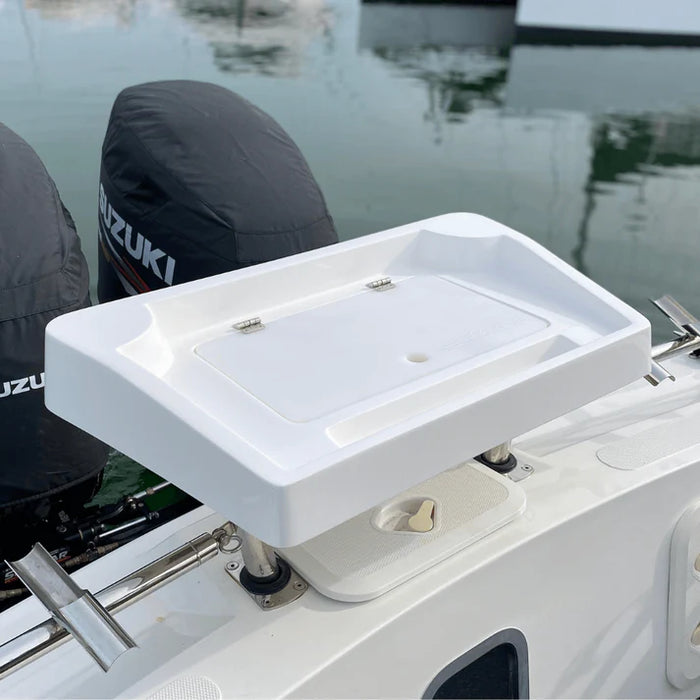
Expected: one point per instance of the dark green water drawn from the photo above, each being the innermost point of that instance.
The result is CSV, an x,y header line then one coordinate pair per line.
x,y
594,152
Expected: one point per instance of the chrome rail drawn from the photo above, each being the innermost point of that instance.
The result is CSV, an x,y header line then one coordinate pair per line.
x,y
46,636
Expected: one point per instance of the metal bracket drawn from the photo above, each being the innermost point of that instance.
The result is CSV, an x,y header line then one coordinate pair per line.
x,y
687,338
381,285
250,325
679,317
293,590
521,471
658,374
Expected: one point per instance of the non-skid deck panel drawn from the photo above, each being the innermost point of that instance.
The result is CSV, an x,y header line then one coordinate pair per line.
x,y
359,561
653,444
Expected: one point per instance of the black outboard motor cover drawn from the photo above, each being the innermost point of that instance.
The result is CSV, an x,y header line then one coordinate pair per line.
x,y
196,181
42,274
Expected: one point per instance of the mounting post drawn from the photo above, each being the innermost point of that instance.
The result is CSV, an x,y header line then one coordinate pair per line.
x,y
499,458
258,557
263,573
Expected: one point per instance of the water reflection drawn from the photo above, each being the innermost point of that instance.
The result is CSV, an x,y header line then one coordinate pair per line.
x,y
630,149
409,26
636,167
458,81
460,52
263,36
403,111
86,12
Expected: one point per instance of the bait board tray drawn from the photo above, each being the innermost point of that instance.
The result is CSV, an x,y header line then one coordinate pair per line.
x,y
351,388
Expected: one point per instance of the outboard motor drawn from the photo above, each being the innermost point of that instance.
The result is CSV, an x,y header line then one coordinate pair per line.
x,y
196,181
47,465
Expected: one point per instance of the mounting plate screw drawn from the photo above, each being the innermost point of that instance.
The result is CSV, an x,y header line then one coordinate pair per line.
x,y
266,602
526,468
232,566
299,585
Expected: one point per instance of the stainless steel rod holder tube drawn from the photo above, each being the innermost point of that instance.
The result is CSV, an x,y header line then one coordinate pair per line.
x,y
259,558
73,608
46,636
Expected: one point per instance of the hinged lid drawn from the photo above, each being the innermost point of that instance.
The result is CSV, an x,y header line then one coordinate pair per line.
x,y
344,397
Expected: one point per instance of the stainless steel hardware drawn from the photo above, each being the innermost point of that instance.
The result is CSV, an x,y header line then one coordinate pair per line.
x,y
499,458
250,325
687,340
658,374
258,557
499,454
73,608
49,634
293,589
680,317
381,285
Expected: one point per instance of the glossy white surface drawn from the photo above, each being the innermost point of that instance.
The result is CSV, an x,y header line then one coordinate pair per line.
x,y
683,652
348,396
583,573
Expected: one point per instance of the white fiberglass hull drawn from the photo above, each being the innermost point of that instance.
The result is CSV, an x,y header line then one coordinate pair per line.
x,y
583,574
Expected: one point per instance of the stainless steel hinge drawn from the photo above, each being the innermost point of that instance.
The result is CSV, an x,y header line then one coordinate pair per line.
x,y
381,285
250,325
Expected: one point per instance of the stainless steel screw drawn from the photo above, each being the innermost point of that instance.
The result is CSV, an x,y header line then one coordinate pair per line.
x,y
232,565
299,585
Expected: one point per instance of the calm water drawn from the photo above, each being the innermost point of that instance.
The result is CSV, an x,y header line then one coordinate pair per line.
x,y
594,152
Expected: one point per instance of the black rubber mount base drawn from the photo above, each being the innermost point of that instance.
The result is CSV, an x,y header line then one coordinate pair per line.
x,y
269,585
502,468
